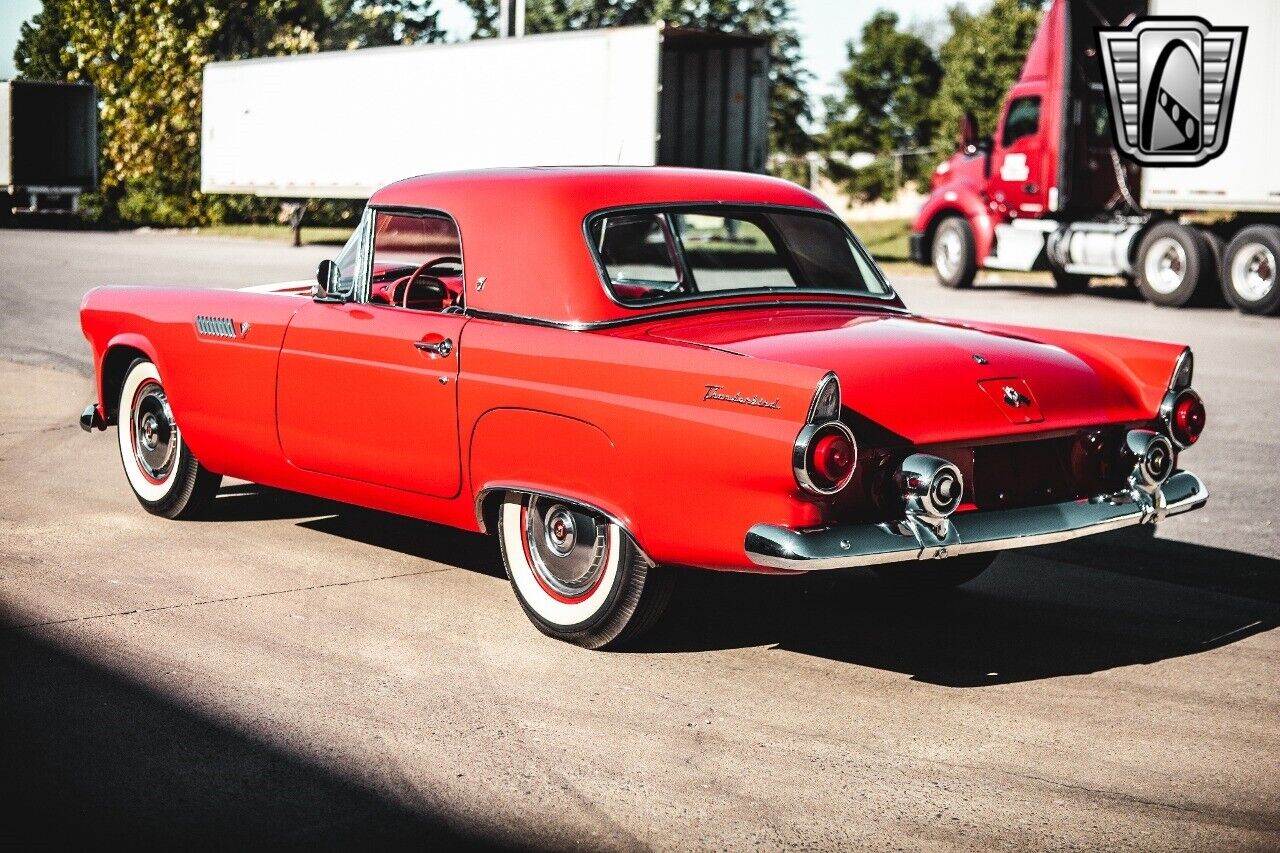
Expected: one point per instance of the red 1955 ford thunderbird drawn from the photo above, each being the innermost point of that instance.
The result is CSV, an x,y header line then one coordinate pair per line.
x,y
620,370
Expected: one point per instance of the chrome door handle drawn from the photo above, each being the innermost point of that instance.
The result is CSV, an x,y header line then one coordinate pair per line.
x,y
440,348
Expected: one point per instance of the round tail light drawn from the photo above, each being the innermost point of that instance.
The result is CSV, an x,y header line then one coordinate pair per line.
x,y
1188,418
825,457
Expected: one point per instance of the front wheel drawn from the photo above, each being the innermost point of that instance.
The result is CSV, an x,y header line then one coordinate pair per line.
x,y
577,574
164,474
955,253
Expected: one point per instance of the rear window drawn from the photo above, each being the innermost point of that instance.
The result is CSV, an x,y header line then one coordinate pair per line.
x,y
657,255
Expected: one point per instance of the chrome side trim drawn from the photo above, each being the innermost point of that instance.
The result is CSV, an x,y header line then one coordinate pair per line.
x,y
752,304
1188,361
812,417
484,494
857,545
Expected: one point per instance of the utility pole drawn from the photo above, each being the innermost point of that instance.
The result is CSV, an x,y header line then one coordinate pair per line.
x,y
510,18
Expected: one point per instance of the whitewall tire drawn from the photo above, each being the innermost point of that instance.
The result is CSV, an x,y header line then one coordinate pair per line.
x,y
578,575
165,476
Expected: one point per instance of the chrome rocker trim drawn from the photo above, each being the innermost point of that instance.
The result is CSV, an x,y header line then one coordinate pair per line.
x,y
856,545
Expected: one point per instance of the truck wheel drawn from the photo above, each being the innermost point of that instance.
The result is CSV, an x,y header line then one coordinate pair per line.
x,y
1249,270
954,253
164,474
1175,265
578,575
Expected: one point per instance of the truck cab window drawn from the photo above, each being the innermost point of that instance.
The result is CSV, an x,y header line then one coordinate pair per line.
x,y
1022,120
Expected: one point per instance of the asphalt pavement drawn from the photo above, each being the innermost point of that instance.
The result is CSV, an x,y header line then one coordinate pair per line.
x,y
309,673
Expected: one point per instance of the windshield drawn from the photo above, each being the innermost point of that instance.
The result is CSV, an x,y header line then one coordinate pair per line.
x,y
654,255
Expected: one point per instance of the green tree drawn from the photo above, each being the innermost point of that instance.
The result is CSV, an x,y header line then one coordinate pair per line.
x,y
44,45
885,104
789,110
375,23
981,60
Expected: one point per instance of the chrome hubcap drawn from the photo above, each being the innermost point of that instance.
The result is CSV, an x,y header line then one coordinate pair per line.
x,y
155,437
568,548
1166,265
947,252
1253,272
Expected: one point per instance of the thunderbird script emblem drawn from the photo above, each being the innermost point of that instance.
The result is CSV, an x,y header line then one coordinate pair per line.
x,y
1172,86
716,392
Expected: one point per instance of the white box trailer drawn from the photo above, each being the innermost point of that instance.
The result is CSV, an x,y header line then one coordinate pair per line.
x,y
1246,176
341,124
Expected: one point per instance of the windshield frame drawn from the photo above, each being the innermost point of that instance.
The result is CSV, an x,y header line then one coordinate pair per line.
x,y
727,208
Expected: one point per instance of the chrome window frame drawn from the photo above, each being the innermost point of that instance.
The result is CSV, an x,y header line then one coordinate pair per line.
x,y
890,295
364,275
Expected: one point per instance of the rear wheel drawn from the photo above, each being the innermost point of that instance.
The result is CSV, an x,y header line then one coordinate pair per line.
x,y
1249,270
935,574
577,574
954,253
164,474
1175,265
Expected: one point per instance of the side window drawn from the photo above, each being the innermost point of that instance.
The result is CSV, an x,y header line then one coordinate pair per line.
x,y
347,262
402,244
1023,120
403,240
728,253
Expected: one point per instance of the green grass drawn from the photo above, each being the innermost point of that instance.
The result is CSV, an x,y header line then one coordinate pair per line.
x,y
311,236
885,239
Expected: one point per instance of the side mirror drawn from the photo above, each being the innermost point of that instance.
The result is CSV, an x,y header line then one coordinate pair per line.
x,y
326,283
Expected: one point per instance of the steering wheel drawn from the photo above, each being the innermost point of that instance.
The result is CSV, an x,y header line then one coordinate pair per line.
x,y
435,287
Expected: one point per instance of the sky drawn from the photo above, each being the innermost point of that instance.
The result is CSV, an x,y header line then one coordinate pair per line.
x,y
824,25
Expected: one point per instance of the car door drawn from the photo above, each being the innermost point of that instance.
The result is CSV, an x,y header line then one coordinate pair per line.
x,y
368,391
1017,183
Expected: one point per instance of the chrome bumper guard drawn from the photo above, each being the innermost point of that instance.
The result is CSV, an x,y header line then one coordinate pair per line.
x,y
970,532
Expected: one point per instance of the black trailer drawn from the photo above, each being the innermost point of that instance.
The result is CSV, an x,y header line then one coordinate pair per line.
x,y
48,145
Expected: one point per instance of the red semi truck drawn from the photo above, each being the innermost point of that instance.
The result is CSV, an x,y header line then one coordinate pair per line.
x,y
1051,190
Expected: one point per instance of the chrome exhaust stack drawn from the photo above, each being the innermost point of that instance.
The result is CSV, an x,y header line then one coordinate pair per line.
x,y
931,489
1153,459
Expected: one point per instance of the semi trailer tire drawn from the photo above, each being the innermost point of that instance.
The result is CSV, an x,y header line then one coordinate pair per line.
x,y
1174,265
1249,270
954,253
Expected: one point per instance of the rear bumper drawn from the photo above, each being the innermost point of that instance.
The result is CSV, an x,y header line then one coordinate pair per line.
x,y
916,249
856,545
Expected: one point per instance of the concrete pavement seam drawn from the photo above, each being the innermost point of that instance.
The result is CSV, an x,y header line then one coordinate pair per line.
x,y
50,622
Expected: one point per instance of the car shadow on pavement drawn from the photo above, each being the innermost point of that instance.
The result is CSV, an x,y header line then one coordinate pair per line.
x,y
1100,603
90,756
471,551
1084,606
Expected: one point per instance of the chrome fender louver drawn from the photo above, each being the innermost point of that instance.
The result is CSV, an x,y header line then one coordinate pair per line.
x,y
218,327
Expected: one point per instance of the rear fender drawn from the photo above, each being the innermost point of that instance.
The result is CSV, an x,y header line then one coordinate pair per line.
x,y
531,451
